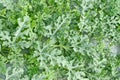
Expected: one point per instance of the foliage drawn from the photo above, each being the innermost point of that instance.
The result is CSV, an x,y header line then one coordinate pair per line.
x,y
59,39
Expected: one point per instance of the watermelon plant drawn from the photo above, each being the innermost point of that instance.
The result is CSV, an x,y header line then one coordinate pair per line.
x,y
59,39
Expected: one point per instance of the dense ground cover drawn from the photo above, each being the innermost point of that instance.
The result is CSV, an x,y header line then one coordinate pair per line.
x,y
59,39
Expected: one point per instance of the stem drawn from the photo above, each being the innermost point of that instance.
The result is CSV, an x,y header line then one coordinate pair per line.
x,y
59,27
